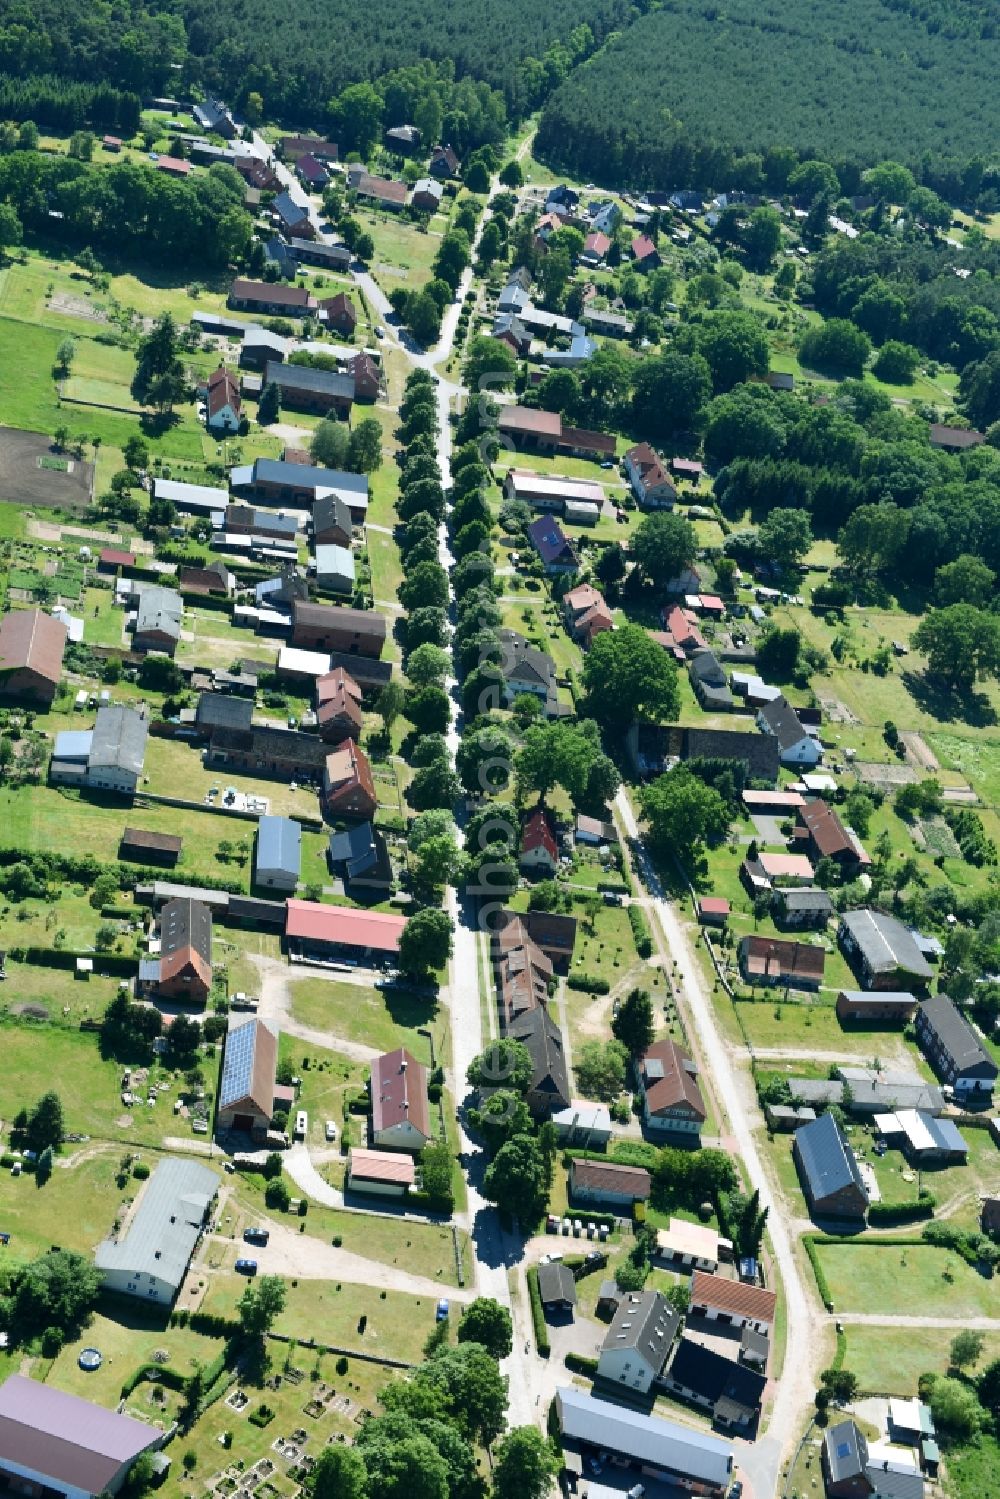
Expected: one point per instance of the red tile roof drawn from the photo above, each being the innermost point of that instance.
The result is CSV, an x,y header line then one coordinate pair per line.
x,y
399,1093
383,1166
309,920
223,390
608,1176
713,905
733,1296
668,1081
174,165
33,641
110,557
537,833
642,247
774,957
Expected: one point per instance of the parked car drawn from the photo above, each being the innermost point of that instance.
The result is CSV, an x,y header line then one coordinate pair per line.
x,y
442,1311
256,1235
331,1130
246,1267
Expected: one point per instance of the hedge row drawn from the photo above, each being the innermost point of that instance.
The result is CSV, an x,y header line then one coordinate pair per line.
x,y
640,931
537,1314
581,1365
587,983
889,1213
809,1241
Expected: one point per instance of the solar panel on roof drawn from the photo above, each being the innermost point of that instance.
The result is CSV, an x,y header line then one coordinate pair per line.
x,y
237,1066
843,1449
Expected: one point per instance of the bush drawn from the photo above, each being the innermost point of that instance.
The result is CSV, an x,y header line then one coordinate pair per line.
x,y
640,931
581,1365
277,1195
342,1365
587,983
140,1171
538,1315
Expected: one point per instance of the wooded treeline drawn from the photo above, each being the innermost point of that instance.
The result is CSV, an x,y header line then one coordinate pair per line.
x,y
689,90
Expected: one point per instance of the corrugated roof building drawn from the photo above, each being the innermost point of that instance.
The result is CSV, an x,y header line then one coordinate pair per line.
x,y
150,1259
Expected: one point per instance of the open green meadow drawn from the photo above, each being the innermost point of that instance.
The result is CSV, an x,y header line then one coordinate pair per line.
x,y
380,1019
915,1278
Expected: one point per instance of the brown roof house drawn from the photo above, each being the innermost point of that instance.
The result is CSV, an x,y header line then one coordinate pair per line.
x,y
769,960
651,484
183,969
587,614
248,1093
339,313
523,973
141,847
732,1302
367,377
539,849
348,786
380,1173
608,1184
668,1086
401,1118
275,298
338,707
327,627
222,401
823,836
58,1444
31,656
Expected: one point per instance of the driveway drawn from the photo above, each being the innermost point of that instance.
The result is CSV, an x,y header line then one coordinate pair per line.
x,y
275,1004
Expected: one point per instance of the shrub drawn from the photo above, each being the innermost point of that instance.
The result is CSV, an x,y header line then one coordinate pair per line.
x,y
342,1365
538,1314
587,983
884,1214
140,1171
821,1282
640,931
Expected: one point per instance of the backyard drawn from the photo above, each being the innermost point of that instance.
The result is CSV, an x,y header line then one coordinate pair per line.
x,y
352,1012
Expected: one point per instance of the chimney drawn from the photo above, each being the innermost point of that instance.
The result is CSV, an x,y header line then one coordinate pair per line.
x,y
402,1064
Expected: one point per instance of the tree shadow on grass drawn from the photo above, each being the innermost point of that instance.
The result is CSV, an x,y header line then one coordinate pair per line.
x,y
949,704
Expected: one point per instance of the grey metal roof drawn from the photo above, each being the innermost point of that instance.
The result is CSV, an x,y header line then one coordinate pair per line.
x,y
878,996
826,1158
646,1323
870,1095
885,943
356,848
846,1451
304,377
303,476
159,609
954,1034
806,899
119,740
894,1483
286,208
223,708
556,1284
164,1229
334,561
263,338
279,845
945,1132
644,1439
73,744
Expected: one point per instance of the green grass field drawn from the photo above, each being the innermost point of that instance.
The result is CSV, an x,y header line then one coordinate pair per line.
x,y
351,1012
76,1207
912,1279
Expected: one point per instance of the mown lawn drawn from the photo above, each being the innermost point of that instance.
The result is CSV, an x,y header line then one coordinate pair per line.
x,y
76,1207
890,1360
128,1336
910,1279
352,1012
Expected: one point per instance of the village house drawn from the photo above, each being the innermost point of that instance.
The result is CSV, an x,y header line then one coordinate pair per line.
x,y
924,1139
156,624
539,431
279,853
691,1246
64,1447
667,1085
369,382
222,402
383,193
339,313
797,908
244,520
796,746
595,249
271,298
553,546
685,1457
587,615
331,522
321,933
214,579
587,1125
294,146
401,1118
522,972
882,951
359,855
714,911
638,1342
548,1090
32,644
539,848
878,1004
443,162
150,1259
108,757
651,484
732,1392
709,681
274,481
348,784
526,668
312,173
322,392
780,963
556,1290
427,195
682,637
335,570
380,1173
831,1180
328,627
607,1184
645,255
260,347
267,752
552,493
732,1303
338,706
183,968
215,118
553,932
824,836
173,166
954,439
249,1095
318,253
955,1051
293,218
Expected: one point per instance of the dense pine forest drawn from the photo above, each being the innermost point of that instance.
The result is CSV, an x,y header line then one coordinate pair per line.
x,y
681,93
297,57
